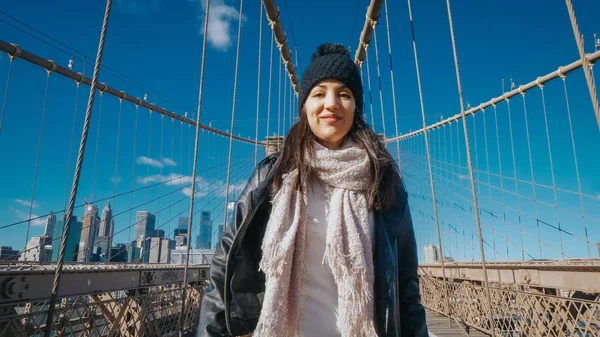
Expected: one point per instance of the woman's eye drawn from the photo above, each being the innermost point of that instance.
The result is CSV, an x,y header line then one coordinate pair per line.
x,y
318,94
345,95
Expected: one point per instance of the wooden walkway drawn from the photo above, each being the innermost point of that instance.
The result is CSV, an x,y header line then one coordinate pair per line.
x,y
440,327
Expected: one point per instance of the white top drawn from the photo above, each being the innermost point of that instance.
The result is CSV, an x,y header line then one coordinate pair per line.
x,y
319,305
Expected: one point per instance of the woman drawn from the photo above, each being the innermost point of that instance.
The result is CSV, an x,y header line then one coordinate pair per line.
x,y
322,243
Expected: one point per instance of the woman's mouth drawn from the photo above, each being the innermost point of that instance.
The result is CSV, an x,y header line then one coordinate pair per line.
x,y
330,118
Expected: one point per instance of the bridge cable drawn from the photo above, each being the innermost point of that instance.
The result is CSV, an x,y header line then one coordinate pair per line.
x,y
115,176
284,108
471,178
580,194
135,128
148,156
11,58
425,136
88,115
270,80
96,149
514,160
369,85
260,35
172,155
193,189
162,123
279,101
37,157
71,145
374,24
560,231
387,24
585,65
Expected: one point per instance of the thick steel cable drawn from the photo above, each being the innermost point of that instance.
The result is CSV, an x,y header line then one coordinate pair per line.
x,y
471,178
260,34
270,82
284,112
37,159
96,150
576,166
115,175
370,93
427,148
71,145
560,231
12,58
235,79
387,24
84,134
374,23
193,190
585,64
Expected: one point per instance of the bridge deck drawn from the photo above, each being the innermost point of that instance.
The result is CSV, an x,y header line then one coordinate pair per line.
x,y
440,327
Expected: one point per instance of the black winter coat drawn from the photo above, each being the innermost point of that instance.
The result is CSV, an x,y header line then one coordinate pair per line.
x,y
232,302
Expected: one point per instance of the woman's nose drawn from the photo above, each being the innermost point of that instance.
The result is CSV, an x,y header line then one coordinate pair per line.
x,y
331,102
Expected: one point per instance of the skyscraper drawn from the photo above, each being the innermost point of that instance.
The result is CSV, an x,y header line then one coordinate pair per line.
x,y
88,233
204,239
182,227
144,224
106,222
431,254
72,240
50,224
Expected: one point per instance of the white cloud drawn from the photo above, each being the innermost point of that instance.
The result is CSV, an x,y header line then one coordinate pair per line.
x,y
199,193
169,179
463,177
221,16
169,162
25,216
25,203
138,7
116,179
143,160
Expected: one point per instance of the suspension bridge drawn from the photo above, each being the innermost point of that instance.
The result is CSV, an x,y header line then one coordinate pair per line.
x,y
110,227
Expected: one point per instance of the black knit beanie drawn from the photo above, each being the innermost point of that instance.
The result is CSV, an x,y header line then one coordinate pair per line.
x,y
331,61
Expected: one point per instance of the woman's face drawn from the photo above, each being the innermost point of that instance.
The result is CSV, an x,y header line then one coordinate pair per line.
x,y
330,112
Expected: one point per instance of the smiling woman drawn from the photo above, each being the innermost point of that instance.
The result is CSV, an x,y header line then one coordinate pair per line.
x,y
322,243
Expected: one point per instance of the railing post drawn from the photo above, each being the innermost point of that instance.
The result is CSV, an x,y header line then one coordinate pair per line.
x,y
77,174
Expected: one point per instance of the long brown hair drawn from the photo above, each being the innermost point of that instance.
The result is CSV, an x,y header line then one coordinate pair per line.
x,y
385,182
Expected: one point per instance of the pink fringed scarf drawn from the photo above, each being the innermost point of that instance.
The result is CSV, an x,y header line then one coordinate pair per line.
x,y
348,247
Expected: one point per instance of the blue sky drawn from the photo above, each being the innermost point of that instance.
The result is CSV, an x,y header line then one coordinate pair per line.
x,y
158,44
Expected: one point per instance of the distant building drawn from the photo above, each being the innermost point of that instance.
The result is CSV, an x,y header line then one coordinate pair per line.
x,y
144,224
102,248
182,227
88,233
204,239
38,249
158,233
166,246
180,240
118,253
197,256
154,250
7,253
133,252
431,254
72,241
50,224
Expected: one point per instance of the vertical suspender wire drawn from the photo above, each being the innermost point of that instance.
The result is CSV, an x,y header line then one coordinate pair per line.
x,y
96,153
562,251
158,187
71,145
460,188
260,34
387,24
37,158
84,134
284,106
12,58
489,182
470,165
514,161
172,154
454,184
576,167
585,65
501,179
279,101
115,175
374,23
148,164
532,175
181,165
370,93
427,149
137,109
270,83
235,79
193,187
478,189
